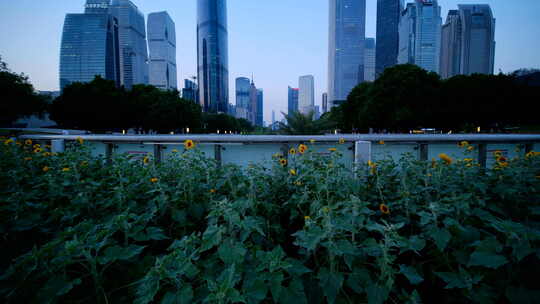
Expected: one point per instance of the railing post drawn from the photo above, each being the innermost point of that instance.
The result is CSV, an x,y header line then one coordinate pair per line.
x,y
217,154
109,147
528,147
424,151
482,155
157,153
362,153
58,146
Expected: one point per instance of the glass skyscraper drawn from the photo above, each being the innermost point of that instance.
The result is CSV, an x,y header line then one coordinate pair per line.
x,y
132,39
292,101
420,34
259,111
451,34
306,94
212,55
369,59
90,45
347,29
242,97
162,45
388,14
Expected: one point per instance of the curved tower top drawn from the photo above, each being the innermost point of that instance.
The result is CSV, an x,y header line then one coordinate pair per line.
x,y
212,55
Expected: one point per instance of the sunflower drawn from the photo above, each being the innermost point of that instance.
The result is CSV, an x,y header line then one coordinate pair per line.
x,y
283,162
28,142
146,160
384,209
292,151
332,149
447,159
80,140
154,180
381,142
372,166
47,154
463,144
292,172
27,158
298,183
66,170
8,141
302,149
341,141
307,217
189,144
45,169
470,148
312,141
212,190
38,150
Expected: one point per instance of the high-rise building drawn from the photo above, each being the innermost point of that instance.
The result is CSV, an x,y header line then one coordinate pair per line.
x,y
306,94
260,106
324,102
451,45
468,41
189,92
420,34
212,55
253,100
369,60
478,39
162,45
347,29
243,87
132,40
273,120
292,100
90,45
388,14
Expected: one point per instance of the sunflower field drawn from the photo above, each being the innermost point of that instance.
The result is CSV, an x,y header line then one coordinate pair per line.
x,y
301,229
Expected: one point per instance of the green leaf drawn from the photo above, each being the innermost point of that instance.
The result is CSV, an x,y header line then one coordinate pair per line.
x,y
486,259
411,274
255,290
211,237
114,253
155,233
461,279
377,294
520,295
294,293
414,243
183,296
231,252
441,237
297,269
275,286
330,283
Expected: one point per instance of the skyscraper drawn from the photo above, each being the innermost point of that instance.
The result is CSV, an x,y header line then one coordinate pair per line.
x,y
420,34
468,41
478,39
90,45
242,97
388,14
306,94
369,60
347,29
451,45
189,92
132,39
253,100
292,100
212,55
162,45
259,110
324,102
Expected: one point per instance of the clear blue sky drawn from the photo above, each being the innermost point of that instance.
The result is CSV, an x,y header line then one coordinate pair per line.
x,y
276,40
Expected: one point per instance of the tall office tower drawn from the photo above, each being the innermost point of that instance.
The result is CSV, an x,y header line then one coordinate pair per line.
x,y
243,87
162,45
369,60
132,39
212,55
347,30
420,34
292,101
273,120
451,45
324,102
90,45
306,94
189,92
253,100
259,110
388,14
478,39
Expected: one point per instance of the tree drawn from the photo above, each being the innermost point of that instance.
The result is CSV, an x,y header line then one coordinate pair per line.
x,y
300,124
18,97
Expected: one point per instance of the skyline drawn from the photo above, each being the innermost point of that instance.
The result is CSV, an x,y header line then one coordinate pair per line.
x,y
260,42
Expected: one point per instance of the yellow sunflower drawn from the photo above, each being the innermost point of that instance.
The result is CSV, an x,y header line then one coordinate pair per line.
x,y
283,162
302,148
384,209
447,159
189,144
292,151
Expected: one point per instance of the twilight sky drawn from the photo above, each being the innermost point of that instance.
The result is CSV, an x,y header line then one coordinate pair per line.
x,y
276,40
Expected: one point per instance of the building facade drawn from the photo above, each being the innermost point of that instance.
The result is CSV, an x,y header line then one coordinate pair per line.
x,y
253,100
369,59
132,40
259,111
451,34
388,14
189,92
324,103
478,39
90,45
347,28
306,94
420,35
243,87
162,46
292,100
212,55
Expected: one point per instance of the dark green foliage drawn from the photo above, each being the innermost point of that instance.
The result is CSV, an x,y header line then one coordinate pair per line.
x,y
406,97
18,97
300,124
204,233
